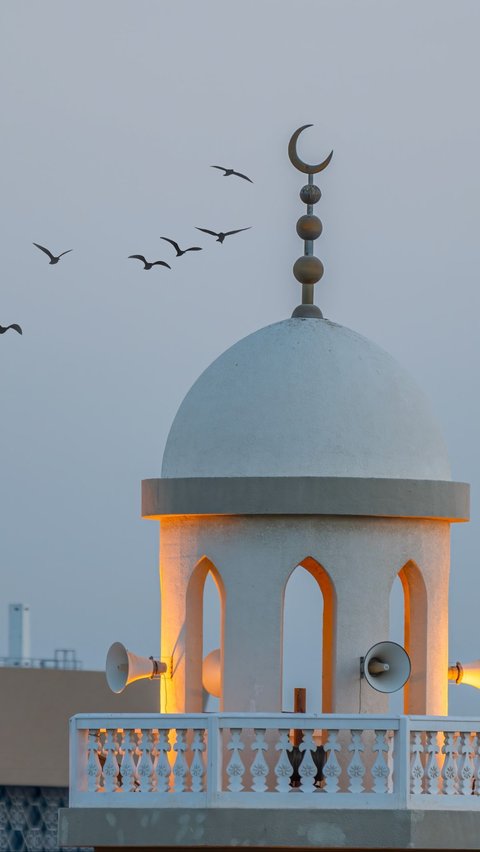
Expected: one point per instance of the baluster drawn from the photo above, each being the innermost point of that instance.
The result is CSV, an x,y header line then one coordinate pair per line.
x,y
259,768
356,767
110,767
102,754
145,771
235,768
476,765
162,766
332,770
380,770
283,767
128,769
465,764
416,766
180,767
94,767
307,767
432,769
449,769
390,759
197,768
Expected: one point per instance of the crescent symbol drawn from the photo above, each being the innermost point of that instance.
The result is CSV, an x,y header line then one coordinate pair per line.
x,y
297,162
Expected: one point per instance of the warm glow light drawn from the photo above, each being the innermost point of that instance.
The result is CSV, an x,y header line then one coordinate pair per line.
x,y
212,673
468,673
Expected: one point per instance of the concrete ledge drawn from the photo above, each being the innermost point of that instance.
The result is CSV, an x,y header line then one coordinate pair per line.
x,y
267,828
306,495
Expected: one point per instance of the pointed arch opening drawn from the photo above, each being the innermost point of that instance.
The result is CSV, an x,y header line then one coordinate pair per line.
x,y
408,627
204,631
308,636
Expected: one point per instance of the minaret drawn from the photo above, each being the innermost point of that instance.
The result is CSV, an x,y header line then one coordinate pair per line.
x,y
304,444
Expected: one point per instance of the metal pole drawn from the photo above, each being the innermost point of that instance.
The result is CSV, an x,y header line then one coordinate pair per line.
x,y
299,706
307,289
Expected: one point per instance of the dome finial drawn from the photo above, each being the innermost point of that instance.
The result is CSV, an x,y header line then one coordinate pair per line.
x,y
308,269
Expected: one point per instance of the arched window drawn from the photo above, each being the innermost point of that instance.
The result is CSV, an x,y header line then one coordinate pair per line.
x,y
408,627
205,611
308,631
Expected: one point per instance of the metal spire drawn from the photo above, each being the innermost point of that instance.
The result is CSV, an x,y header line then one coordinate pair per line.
x,y
308,269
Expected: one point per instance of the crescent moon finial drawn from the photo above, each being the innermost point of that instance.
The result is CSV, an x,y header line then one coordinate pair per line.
x,y
297,162
307,269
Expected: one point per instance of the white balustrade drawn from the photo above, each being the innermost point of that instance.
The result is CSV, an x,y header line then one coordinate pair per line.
x,y
145,771
197,766
259,767
432,768
283,767
307,769
162,767
356,768
235,766
230,759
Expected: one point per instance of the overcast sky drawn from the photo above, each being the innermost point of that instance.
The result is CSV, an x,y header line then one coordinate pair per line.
x,y
112,113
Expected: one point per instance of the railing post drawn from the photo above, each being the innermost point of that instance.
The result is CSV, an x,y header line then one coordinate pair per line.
x,y
72,760
214,760
401,762
78,742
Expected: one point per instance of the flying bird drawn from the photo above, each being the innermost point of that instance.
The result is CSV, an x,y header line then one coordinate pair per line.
x,y
52,257
221,236
14,325
147,264
177,247
229,172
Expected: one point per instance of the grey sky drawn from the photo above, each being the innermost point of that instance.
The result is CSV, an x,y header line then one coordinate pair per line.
x,y
112,113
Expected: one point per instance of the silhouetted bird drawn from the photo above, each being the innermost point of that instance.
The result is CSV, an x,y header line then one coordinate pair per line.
x,y
229,172
147,264
178,249
52,257
14,325
221,236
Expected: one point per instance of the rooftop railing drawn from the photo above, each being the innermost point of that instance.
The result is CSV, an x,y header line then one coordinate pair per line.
x,y
64,658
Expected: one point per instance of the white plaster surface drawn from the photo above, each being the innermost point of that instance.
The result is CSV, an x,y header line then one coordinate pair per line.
x,y
254,557
305,397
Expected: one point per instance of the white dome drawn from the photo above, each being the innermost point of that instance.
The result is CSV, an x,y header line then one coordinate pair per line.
x,y
305,397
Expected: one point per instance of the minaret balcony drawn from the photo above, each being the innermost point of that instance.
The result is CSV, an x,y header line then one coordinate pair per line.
x,y
273,780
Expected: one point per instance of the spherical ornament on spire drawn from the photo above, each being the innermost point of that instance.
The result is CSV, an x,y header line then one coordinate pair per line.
x,y
308,269
309,227
310,193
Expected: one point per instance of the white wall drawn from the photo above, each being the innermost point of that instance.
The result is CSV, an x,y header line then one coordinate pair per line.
x,y
255,556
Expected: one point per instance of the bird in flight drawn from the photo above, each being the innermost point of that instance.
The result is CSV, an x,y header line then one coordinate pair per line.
x,y
52,257
229,172
177,247
14,325
147,264
221,236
